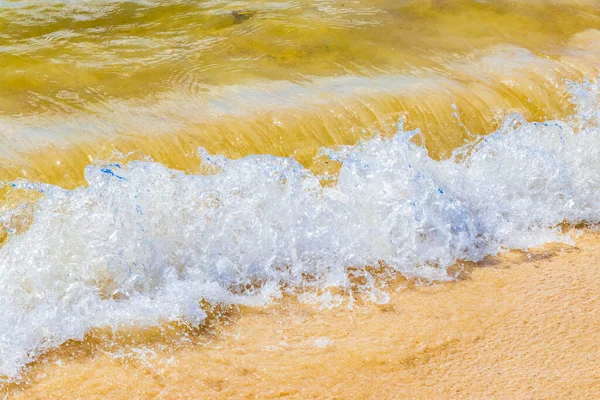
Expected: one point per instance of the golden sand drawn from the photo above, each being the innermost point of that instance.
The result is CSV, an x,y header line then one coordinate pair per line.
x,y
515,326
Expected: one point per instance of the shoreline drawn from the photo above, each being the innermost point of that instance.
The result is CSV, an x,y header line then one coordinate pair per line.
x,y
517,325
267,200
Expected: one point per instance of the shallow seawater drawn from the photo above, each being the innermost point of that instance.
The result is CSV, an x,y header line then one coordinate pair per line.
x,y
162,158
81,79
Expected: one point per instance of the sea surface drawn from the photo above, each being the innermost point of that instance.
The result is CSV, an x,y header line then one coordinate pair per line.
x,y
162,158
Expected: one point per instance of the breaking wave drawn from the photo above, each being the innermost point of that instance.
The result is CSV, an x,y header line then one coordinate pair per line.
x,y
143,244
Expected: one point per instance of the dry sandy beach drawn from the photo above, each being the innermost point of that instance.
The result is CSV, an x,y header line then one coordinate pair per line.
x,y
512,327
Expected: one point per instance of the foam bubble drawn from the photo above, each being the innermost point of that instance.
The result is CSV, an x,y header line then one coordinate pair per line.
x,y
142,244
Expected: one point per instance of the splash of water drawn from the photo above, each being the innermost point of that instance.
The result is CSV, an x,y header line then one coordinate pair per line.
x,y
142,244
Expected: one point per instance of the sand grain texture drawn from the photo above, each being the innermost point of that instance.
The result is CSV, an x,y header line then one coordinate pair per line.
x,y
514,327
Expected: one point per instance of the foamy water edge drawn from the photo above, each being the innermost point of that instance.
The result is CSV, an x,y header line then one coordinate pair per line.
x,y
143,244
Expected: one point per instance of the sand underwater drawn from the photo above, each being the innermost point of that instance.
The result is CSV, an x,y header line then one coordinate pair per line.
x,y
299,199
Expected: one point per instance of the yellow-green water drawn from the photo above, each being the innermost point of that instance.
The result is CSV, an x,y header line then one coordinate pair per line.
x,y
68,56
81,79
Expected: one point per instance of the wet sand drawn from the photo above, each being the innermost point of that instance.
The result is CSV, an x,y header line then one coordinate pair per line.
x,y
515,326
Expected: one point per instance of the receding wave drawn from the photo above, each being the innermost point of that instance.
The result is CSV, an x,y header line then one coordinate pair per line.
x,y
144,244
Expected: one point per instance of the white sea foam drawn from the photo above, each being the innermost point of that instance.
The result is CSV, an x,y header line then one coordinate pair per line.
x,y
143,244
